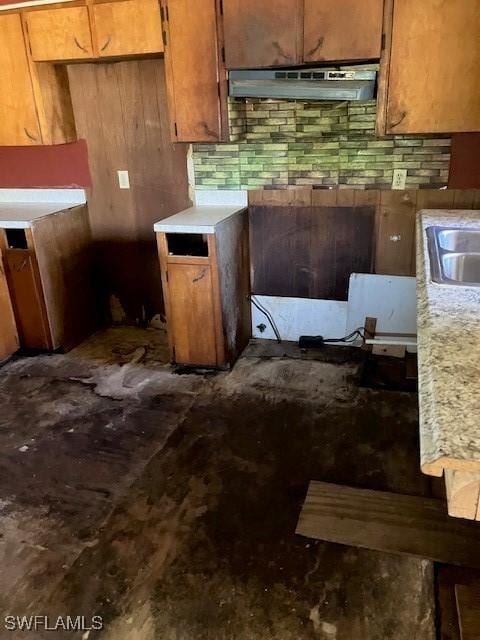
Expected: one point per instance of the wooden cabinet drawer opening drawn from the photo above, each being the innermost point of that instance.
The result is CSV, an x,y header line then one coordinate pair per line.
x,y
187,244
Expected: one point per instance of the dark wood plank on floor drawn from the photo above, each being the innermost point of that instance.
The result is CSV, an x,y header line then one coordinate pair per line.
x,y
389,522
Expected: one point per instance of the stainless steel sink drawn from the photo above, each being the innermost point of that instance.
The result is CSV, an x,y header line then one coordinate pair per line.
x,y
459,240
454,255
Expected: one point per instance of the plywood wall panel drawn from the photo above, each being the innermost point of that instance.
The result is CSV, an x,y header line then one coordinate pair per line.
x,y
121,110
309,252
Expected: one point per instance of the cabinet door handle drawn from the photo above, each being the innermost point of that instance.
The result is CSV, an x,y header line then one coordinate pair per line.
x,y
80,46
109,39
200,276
402,117
29,135
318,46
208,131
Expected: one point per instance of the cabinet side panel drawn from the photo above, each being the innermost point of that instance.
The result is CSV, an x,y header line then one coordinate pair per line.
x,y
63,248
233,268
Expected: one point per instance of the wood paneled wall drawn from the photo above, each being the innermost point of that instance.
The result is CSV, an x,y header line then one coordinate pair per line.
x,y
121,110
465,161
395,211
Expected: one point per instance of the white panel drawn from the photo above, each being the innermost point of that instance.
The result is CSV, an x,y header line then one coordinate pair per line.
x,y
390,299
37,196
295,317
234,197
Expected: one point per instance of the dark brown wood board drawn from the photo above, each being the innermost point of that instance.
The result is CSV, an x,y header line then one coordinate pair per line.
x,y
389,522
121,110
309,251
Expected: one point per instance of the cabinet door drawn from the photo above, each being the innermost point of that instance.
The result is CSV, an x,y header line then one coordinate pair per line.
x,y
128,27
8,328
18,116
261,34
60,34
192,68
191,313
337,30
434,76
27,298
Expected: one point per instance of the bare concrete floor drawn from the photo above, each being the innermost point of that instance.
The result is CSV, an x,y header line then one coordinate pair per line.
x,y
167,503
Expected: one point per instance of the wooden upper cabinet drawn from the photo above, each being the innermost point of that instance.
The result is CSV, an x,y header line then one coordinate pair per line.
x,y
434,75
60,34
128,27
193,70
18,115
342,30
262,34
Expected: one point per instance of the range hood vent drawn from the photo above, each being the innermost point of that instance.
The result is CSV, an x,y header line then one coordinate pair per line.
x,y
303,84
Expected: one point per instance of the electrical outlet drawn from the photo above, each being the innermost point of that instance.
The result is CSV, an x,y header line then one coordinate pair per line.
x,y
399,178
123,179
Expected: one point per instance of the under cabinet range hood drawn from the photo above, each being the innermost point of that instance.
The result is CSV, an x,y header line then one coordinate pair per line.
x,y
303,84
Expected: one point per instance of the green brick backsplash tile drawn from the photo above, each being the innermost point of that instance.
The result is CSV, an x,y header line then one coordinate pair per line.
x,y
280,144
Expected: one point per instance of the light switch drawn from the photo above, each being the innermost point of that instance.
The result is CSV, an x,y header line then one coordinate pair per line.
x,y
399,178
123,179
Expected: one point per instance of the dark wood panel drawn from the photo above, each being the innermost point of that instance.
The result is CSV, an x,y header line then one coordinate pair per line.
x,y
389,522
309,252
261,34
447,578
342,30
468,607
121,110
465,161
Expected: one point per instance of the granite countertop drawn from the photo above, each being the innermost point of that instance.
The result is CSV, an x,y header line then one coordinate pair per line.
x,y
19,208
448,321
201,219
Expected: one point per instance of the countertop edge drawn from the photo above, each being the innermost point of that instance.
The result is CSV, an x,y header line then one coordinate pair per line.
x,y
449,430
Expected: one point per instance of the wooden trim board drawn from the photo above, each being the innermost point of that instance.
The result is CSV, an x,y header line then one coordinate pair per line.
x,y
388,522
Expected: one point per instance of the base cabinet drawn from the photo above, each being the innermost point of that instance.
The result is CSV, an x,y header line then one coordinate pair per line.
x,y
207,295
46,283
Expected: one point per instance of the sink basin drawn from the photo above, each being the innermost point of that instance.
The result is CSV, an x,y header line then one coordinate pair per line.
x,y
462,267
459,240
454,255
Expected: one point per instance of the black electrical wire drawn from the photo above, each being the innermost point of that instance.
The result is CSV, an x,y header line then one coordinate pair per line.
x,y
359,332
269,317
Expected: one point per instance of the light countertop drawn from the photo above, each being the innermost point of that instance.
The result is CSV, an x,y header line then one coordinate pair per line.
x,y
448,321
201,219
22,215
19,208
